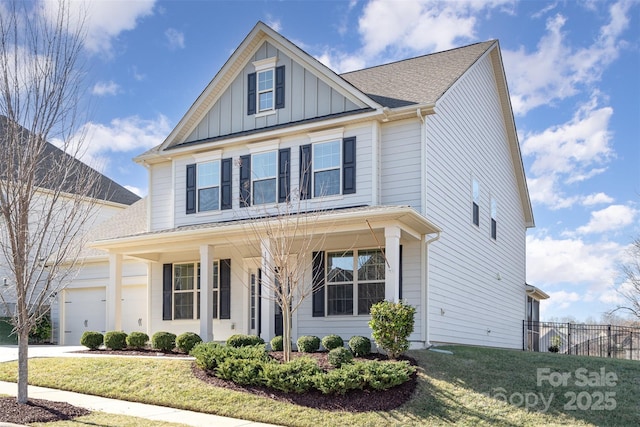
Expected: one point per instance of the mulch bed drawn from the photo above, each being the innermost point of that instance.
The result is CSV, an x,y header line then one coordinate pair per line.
x,y
130,352
353,401
37,411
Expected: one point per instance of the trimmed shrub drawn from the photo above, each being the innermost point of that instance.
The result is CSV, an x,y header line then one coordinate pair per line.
x,y
209,356
339,381
360,346
186,341
340,356
296,376
277,343
391,324
163,341
332,341
115,340
241,340
385,375
137,340
308,344
92,340
205,354
242,371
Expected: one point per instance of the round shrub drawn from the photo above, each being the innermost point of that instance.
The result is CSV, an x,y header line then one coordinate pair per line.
x,y
391,324
308,344
360,346
277,344
185,342
296,376
332,341
92,340
340,356
163,341
137,340
241,340
115,340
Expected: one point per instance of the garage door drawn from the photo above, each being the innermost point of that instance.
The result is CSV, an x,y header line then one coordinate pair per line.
x,y
134,308
84,310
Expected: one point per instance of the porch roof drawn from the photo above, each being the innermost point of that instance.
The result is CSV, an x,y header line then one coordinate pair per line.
x,y
150,245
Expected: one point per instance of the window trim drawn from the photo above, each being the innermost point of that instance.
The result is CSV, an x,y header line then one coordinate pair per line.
x,y
475,202
339,168
196,290
355,283
273,177
494,219
219,186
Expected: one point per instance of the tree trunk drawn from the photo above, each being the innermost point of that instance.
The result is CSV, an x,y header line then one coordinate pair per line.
x,y
23,365
286,332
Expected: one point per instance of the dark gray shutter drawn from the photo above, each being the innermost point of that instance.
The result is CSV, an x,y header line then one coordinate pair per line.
x,y
167,291
259,302
225,289
280,87
251,94
305,172
400,274
191,189
225,183
349,165
245,180
318,284
284,160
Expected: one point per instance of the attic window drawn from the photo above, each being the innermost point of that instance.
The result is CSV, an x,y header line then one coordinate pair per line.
x,y
265,87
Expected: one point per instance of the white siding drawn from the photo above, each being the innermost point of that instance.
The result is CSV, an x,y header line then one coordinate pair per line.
x,y
401,170
161,196
467,139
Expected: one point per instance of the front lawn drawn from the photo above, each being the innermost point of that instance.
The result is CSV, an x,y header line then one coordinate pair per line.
x,y
469,387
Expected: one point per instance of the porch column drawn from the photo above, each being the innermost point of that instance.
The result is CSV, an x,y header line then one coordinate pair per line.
x,y
267,302
392,267
114,293
206,293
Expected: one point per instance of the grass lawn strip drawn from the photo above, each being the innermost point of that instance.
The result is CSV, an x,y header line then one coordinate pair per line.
x,y
103,419
464,388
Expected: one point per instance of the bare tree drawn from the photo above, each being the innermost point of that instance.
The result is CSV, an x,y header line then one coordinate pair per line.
x,y
46,195
630,289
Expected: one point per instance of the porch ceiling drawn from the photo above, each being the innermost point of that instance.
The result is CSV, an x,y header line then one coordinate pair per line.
x,y
152,245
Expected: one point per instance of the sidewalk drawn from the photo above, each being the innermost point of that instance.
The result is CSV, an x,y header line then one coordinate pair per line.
x,y
113,406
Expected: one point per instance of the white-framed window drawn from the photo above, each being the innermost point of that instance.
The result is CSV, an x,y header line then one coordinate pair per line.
x,y
344,288
208,186
186,290
475,204
264,177
327,168
266,89
494,218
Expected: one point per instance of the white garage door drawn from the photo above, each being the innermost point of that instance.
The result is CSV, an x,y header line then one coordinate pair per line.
x,y
84,310
134,308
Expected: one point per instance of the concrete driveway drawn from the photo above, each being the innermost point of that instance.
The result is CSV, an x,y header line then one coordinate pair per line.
x,y
10,352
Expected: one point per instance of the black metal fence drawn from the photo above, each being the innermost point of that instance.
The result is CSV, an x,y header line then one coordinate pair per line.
x,y
620,342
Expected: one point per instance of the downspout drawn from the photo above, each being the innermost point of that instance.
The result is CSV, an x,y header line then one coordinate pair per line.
x,y
426,287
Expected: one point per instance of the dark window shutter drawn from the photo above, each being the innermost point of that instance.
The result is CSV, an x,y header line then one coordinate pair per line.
x,y
191,188
225,289
167,291
349,165
225,183
400,275
245,180
280,87
259,301
251,94
305,171
284,161
318,284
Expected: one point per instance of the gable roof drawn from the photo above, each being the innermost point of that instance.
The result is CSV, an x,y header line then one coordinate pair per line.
x,y
403,83
106,189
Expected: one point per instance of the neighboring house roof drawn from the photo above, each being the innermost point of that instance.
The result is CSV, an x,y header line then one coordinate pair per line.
x,y
535,293
106,189
420,80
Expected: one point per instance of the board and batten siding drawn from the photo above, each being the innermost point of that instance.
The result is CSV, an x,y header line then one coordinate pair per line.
x,y
476,284
160,196
306,97
400,182
363,134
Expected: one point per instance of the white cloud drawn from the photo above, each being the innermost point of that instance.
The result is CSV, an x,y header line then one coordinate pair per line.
x,y
596,199
611,218
105,88
105,19
136,190
175,38
572,262
274,23
557,70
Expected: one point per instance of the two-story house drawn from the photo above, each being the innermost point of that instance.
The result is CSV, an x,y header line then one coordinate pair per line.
x,y
415,167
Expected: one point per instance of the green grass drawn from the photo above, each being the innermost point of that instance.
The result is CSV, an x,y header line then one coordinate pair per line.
x,y
465,388
108,420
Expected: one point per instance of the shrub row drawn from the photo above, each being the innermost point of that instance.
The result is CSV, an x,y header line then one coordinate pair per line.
x,y
251,365
162,341
359,346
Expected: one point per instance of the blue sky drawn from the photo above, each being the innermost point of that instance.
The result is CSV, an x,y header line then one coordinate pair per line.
x,y
573,69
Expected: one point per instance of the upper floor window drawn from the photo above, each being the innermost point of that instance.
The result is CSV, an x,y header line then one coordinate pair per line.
x,y
265,87
263,176
208,185
475,206
328,168
494,218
